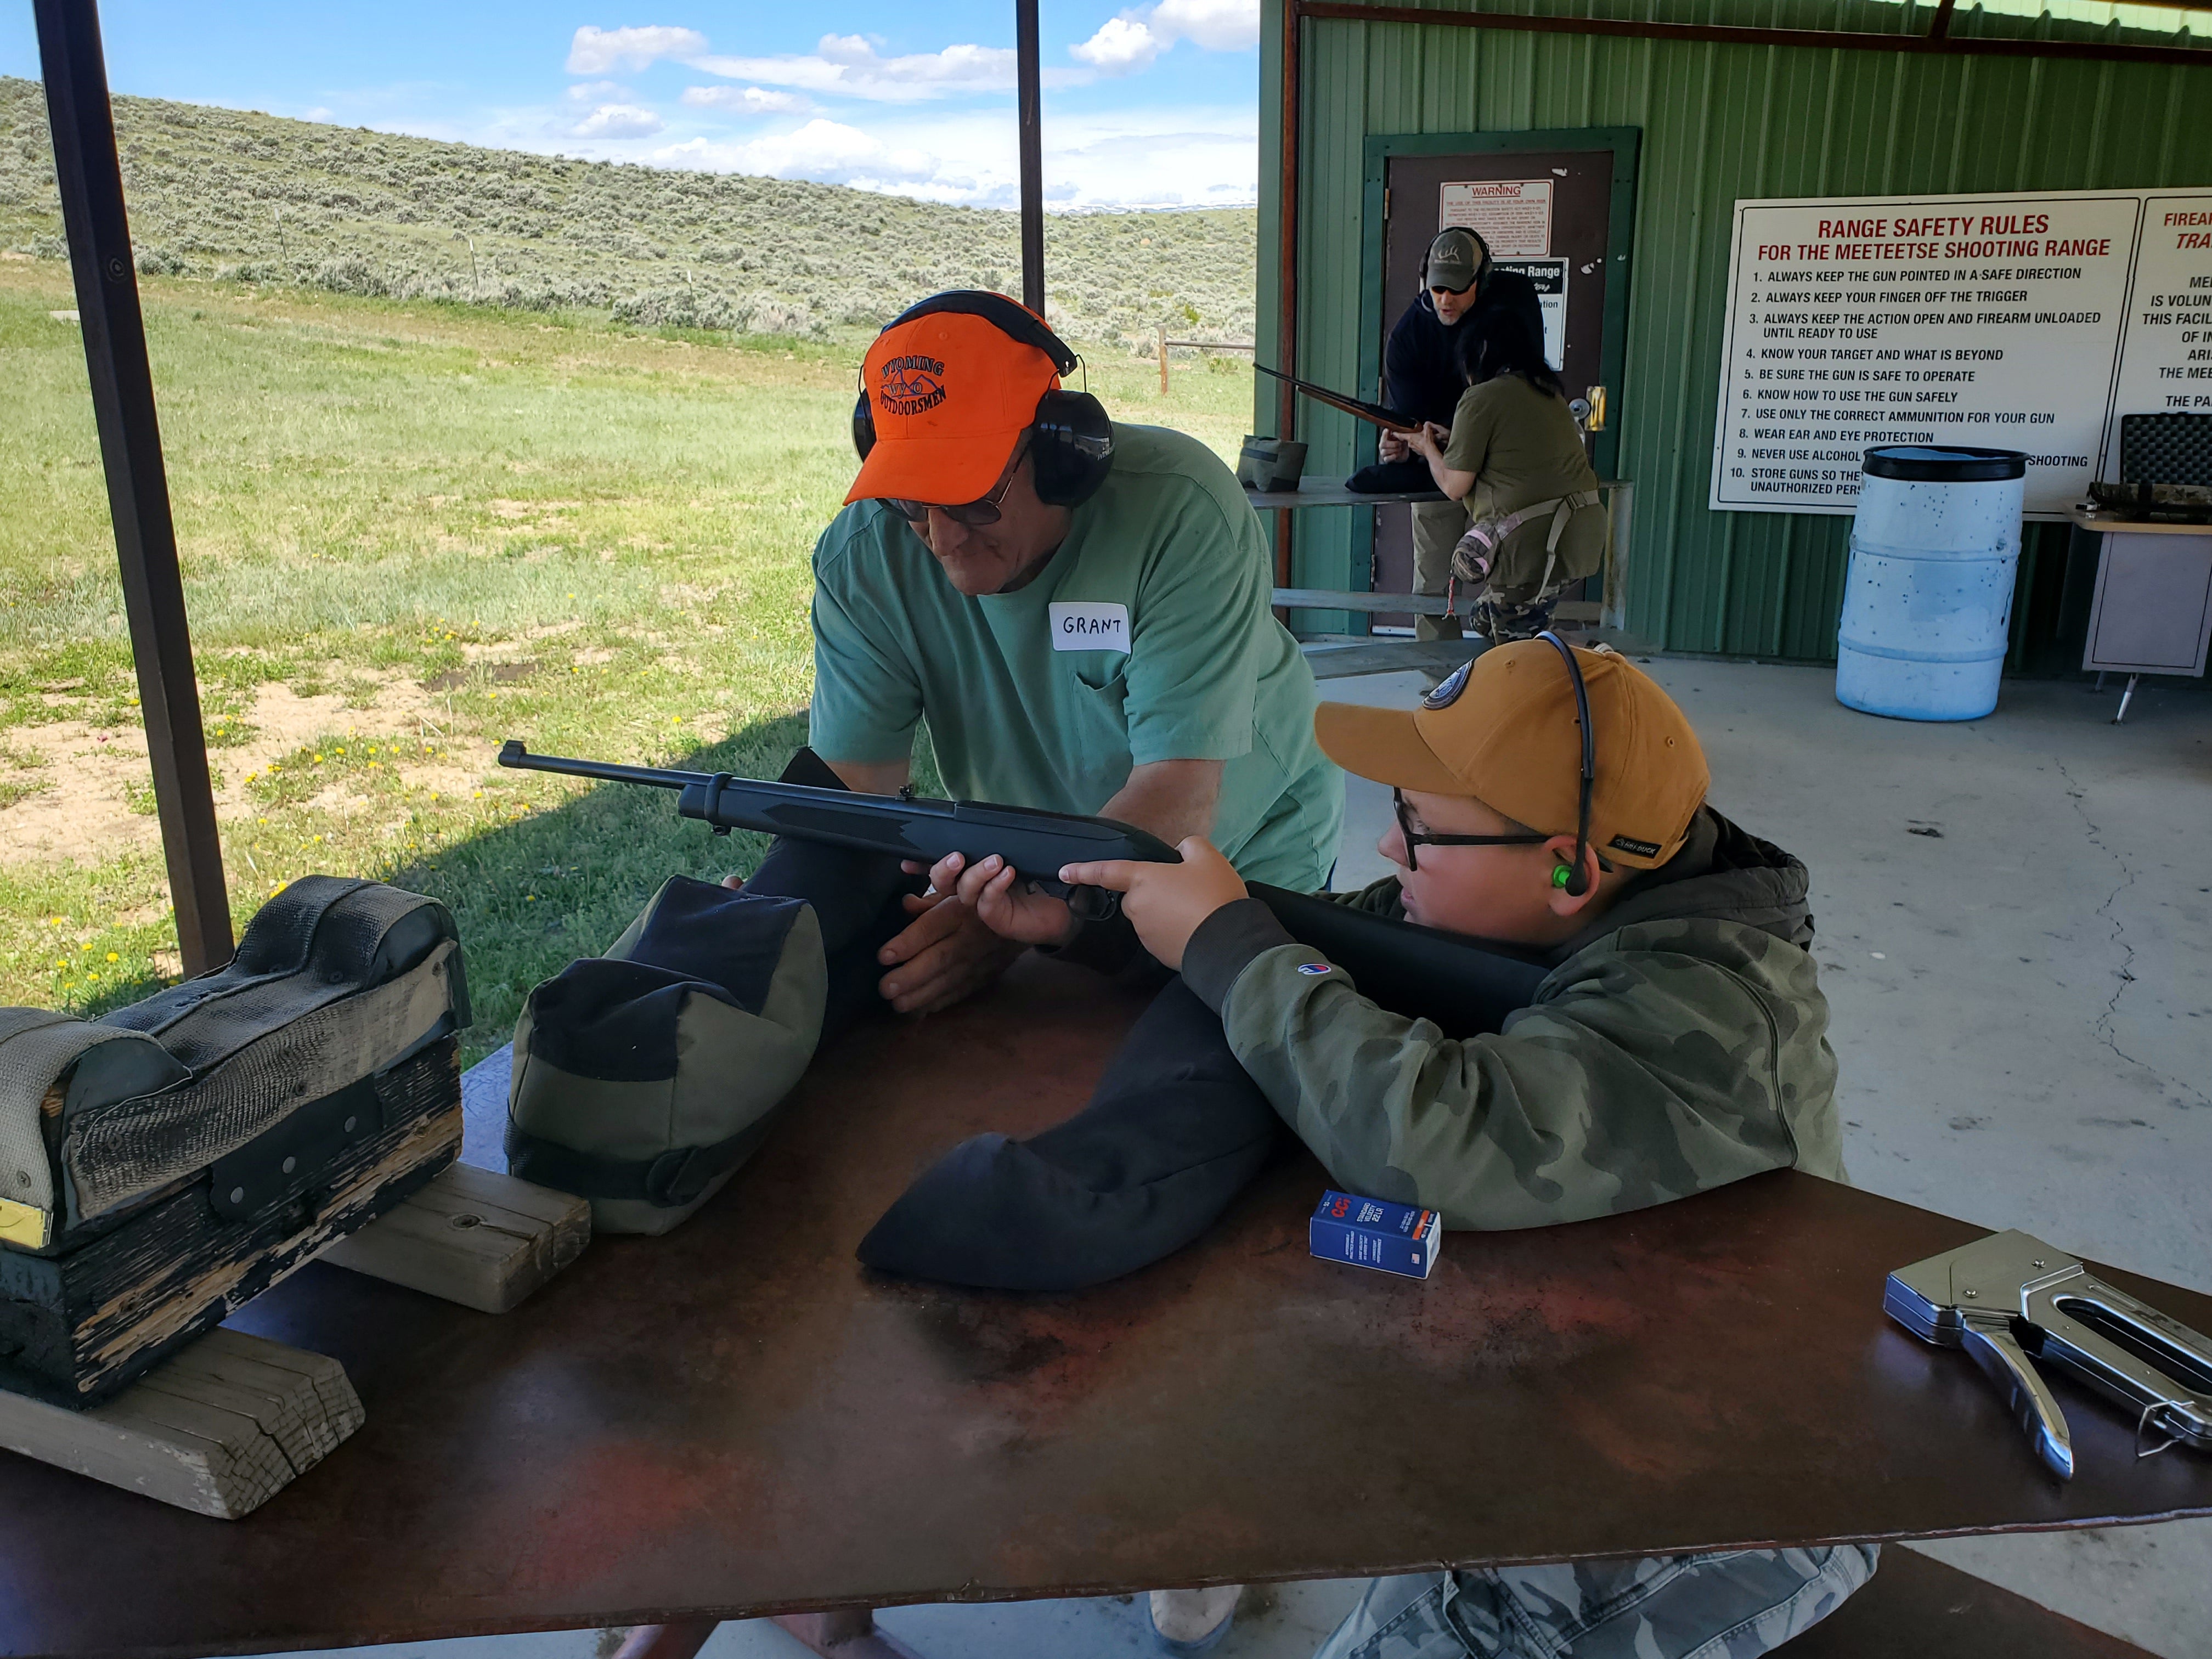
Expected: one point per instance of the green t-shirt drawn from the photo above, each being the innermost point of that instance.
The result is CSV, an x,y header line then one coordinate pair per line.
x,y
1147,637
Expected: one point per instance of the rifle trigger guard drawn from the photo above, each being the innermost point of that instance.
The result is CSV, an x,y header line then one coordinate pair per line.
x,y
1084,903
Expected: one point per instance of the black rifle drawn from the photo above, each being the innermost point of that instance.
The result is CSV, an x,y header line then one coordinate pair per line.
x,y
1466,984
905,826
1389,420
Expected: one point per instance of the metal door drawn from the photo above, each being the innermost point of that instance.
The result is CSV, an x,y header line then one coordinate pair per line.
x,y
1549,210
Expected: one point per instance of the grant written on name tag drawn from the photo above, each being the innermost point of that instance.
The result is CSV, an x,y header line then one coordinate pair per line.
x,y
1090,627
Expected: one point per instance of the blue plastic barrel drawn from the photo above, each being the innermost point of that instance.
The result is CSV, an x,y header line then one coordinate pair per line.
x,y
1929,596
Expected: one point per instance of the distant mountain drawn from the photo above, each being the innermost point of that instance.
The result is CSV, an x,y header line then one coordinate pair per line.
x,y
233,195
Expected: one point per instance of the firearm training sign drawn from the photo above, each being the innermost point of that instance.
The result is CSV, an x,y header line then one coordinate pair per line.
x,y
1998,321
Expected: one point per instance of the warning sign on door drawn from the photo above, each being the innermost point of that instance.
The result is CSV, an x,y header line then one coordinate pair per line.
x,y
1513,215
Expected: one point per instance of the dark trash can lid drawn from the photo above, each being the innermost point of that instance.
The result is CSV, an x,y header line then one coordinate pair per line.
x,y
1953,463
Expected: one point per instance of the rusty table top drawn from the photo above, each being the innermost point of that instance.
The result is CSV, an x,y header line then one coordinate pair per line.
x,y
736,1419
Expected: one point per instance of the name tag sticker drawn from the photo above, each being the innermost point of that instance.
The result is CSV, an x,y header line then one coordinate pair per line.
x,y
1090,627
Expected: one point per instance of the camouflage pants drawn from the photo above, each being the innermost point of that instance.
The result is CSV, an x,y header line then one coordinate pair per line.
x,y
1728,1606
1500,620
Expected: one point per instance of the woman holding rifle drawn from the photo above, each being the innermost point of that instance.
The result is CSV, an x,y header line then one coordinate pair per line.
x,y
1515,456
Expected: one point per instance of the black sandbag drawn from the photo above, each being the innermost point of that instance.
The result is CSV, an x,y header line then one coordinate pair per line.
x,y
856,898
1409,477
1173,1133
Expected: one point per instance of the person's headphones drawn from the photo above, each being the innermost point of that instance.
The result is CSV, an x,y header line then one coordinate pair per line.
x,y
1576,881
1482,266
1071,440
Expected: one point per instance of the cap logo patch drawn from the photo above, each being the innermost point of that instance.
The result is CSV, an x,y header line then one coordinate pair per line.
x,y
911,385
1313,967
1448,689
1646,849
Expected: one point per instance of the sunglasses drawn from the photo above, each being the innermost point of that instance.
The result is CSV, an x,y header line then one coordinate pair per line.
x,y
1424,838
974,514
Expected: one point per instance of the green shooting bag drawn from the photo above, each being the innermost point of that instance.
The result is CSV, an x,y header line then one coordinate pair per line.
x,y
645,1078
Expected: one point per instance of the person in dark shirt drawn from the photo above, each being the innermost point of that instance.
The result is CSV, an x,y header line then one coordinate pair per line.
x,y
1422,377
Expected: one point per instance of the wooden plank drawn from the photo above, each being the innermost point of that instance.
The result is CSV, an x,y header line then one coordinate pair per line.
x,y
474,1236
82,1325
218,1429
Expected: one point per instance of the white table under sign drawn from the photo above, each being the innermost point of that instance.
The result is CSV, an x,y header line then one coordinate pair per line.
x,y
2152,610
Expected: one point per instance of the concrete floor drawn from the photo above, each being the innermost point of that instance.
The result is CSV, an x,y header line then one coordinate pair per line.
x,y
2021,1001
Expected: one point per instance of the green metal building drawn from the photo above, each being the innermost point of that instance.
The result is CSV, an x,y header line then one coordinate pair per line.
x,y
1699,103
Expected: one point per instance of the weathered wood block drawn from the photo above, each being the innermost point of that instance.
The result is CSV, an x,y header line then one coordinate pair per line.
x,y
219,1428
474,1236
78,1326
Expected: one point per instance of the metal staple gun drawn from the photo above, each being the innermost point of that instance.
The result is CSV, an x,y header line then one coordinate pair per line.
x,y
2009,1300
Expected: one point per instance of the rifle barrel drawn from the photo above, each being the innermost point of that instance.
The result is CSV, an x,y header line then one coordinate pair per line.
x,y
512,753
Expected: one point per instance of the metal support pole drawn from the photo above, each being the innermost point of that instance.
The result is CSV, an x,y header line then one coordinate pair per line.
x,y
1286,253
1030,100
91,181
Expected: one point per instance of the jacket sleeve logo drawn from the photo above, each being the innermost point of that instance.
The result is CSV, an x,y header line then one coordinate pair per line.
x,y
911,385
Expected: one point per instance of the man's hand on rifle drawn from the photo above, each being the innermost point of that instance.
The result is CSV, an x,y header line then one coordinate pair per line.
x,y
1392,445
946,954
1001,899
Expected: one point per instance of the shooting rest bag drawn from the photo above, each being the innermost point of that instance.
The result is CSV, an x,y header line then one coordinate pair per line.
x,y
643,1078
336,979
176,1159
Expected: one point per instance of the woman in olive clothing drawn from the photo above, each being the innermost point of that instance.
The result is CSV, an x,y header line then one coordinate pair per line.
x,y
1516,457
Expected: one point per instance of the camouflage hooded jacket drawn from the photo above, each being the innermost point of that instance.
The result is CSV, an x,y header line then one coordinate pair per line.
x,y
1678,1044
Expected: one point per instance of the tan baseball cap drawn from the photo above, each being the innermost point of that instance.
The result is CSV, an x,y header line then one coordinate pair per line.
x,y
1503,729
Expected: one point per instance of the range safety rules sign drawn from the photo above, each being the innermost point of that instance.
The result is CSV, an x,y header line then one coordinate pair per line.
x,y
2027,321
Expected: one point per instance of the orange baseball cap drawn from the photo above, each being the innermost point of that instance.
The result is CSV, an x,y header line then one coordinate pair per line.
x,y
1503,729
949,393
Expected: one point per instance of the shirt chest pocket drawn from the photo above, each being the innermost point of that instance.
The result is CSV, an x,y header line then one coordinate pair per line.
x,y
1095,694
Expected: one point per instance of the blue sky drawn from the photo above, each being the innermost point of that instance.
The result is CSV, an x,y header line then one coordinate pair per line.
x,y
1149,104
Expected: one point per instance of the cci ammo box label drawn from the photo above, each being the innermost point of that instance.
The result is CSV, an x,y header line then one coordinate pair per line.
x,y
1368,1232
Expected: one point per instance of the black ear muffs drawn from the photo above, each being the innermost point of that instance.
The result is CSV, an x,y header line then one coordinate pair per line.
x,y
1481,270
1072,443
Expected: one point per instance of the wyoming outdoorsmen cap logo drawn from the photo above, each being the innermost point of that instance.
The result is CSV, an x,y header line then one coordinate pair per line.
x,y
911,385
951,393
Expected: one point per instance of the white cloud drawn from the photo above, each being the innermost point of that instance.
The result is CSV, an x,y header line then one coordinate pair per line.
x,y
1123,46
597,91
849,66
1132,40
827,151
616,121
747,100
595,52
1149,157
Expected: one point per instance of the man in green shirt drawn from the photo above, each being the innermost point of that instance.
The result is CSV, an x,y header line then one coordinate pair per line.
x,y
1086,627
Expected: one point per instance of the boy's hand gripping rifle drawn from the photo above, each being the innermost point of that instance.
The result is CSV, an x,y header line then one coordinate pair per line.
x,y
905,826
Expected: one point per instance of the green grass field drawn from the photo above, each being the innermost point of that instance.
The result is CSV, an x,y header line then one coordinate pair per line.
x,y
408,530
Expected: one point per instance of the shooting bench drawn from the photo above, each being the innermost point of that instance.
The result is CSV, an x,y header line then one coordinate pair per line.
x,y
736,1419
1333,659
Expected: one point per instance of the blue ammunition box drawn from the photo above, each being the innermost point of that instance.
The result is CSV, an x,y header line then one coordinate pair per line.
x,y
1367,1232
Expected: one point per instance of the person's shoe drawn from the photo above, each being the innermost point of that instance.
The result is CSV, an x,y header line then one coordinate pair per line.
x,y
1191,1620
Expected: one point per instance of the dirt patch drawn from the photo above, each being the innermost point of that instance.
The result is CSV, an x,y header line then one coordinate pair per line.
x,y
83,813
502,673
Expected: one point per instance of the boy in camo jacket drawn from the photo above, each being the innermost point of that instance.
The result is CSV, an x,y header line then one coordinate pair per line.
x,y
1679,1044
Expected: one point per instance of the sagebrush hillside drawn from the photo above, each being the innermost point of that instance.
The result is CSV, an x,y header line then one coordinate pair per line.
x,y
231,194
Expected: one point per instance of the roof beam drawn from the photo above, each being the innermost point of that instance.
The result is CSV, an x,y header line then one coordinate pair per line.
x,y
1944,45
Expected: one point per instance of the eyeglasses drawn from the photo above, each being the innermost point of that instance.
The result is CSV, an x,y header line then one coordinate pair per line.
x,y
1423,838
974,514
